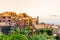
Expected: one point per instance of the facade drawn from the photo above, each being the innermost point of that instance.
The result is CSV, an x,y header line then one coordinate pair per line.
x,y
22,20
6,18
25,20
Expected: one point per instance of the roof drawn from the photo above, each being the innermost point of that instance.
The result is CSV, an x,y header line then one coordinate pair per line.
x,y
9,14
24,15
6,15
39,26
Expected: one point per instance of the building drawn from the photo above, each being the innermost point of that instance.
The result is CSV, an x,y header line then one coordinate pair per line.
x,y
25,20
7,18
22,20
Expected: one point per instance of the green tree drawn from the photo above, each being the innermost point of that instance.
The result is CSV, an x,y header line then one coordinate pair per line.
x,y
17,37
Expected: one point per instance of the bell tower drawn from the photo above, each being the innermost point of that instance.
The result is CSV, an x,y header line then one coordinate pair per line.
x,y
37,19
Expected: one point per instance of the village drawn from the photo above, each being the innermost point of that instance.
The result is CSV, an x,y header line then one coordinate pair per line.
x,y
22,20
10,20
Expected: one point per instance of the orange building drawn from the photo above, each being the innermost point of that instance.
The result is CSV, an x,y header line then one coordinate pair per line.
x,y
7,17
25,20
22,19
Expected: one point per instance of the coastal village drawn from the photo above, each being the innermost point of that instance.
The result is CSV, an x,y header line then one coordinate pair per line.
x,y
10,20
23,20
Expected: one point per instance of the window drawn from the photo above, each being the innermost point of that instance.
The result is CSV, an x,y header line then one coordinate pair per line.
x,y
3,17
3,20
8,20
0,20
9,17
9,24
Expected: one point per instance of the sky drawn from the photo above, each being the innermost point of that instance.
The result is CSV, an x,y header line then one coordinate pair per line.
x,y
42,8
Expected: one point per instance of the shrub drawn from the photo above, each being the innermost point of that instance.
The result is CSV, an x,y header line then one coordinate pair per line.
x,y
17,37
3,36
26,31
38,37
42,30
48,31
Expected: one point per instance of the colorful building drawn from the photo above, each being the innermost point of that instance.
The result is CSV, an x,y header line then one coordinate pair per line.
x,y
25,20
7,17
21,20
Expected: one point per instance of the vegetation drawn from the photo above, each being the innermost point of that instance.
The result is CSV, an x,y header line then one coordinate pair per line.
x,y
28,34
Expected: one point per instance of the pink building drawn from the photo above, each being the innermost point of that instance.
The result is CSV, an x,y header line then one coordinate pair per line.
x,y
7,19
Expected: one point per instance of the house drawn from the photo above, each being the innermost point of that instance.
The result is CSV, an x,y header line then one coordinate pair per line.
x,y
54,29
7,18
38,26
25,20
22,19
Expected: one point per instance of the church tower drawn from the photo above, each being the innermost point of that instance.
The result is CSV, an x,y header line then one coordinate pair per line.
x,y
37,19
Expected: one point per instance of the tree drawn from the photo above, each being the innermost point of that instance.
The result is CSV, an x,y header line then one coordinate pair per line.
x,y
17,37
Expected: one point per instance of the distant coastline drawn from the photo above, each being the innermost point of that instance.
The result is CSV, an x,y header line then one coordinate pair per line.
x,y
55,23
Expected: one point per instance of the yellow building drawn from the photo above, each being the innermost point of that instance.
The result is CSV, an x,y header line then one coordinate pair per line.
x,y
22,19
7,17
28,20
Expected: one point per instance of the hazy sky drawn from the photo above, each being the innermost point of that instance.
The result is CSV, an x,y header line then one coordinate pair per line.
x,y
41,8
31,7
